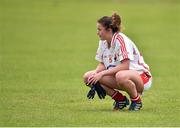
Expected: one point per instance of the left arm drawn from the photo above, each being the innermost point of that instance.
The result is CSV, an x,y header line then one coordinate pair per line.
x,y
112,71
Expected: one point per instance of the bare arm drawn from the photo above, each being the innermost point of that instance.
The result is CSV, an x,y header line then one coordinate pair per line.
x,y
100,67
112,71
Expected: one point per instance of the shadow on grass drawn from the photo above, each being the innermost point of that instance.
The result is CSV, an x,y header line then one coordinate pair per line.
x,y
102,110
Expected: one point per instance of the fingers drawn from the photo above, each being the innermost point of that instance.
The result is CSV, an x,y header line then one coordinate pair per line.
x,y
94,78
90,77
91,80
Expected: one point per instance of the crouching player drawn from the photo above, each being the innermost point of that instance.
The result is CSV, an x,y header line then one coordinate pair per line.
x,y
121,67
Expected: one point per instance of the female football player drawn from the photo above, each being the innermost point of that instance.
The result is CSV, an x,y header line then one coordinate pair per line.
x,y
121,66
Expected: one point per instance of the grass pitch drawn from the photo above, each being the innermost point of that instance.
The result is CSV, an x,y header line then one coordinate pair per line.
x,y
47,45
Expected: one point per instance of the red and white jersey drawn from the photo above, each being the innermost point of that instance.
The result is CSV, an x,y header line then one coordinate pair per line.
x,y
121,48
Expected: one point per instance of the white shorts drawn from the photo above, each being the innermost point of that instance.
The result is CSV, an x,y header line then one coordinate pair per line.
x,y
148,84
147,80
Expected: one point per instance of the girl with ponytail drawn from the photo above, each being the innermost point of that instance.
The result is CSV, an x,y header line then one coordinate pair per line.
x,y
121,67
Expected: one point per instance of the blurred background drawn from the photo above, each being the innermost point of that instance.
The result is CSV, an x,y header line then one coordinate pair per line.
x,y
47,45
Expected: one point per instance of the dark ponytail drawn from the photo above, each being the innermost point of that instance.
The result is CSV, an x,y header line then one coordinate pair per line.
x,y
116,22
113,22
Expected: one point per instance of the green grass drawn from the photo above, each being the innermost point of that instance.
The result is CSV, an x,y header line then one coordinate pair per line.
x,y
47,45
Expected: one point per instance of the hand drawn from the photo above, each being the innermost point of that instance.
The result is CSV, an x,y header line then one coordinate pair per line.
x,y
95,78
91,93
90,77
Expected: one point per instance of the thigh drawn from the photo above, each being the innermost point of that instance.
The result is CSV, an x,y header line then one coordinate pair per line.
x,y
109,81
134,77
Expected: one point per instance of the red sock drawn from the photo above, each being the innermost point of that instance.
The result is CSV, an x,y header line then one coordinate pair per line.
x,y
136,99
117,96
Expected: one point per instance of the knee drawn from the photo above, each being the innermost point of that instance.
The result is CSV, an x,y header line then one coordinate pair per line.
x,y
121,78
85,77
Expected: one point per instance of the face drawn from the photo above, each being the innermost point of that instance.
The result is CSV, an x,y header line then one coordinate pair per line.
x,y
102,32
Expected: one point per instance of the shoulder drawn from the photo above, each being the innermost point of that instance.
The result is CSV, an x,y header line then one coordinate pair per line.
x,y
122,38
102,43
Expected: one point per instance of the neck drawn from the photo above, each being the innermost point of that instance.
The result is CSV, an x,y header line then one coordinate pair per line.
x,y
109,40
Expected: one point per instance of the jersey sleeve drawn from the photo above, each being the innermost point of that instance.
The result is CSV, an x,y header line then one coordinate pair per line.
x,y
125,49
99,53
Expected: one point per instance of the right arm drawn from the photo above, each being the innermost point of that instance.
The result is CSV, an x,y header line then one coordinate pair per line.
x,y
100,67
99,57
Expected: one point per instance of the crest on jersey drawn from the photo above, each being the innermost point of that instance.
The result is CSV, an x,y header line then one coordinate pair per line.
x,y
110,58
